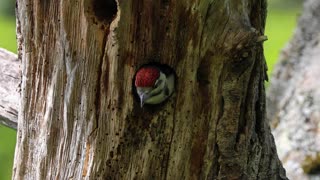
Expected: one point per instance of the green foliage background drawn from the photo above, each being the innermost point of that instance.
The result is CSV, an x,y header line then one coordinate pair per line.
x,y
282,16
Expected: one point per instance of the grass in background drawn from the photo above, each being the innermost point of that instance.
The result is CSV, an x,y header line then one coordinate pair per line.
x,y
279,29
7,145
8,33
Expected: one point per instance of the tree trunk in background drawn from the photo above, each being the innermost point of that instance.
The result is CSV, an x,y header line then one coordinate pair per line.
x,y
10,77
79,118
294,98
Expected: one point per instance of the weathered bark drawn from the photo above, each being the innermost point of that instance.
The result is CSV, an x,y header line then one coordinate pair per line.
x,y
294,98
10,77
79,118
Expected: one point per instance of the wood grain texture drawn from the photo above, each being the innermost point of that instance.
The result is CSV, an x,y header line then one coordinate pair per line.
x,y
10,77
80,120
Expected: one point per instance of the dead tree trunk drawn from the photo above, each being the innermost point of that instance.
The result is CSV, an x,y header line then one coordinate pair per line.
x,y
79,118
9,88
294,98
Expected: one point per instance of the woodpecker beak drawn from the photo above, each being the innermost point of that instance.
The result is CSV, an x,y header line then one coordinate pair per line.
x,y
143,97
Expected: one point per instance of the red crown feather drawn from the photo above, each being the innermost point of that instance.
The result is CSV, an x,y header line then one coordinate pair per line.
x,y
146,77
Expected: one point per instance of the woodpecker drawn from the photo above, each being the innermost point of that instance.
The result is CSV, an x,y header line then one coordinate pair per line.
x,y
154,84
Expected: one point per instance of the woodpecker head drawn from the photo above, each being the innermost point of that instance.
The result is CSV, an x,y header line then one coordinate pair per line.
x,y
153,85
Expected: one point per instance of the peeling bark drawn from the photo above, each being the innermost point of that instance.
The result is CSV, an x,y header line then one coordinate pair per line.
x,y
79,118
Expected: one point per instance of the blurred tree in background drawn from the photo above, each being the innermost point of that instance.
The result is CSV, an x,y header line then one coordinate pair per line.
x,y
293,98
282,16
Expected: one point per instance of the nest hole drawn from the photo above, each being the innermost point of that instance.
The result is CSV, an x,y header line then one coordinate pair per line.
x,y
105,10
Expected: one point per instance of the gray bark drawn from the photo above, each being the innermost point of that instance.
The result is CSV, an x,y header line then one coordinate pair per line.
x,y
10,77
294,98
79,119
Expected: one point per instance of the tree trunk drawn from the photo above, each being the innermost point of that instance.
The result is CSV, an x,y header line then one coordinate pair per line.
x,y
79,118
294,98
10,74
